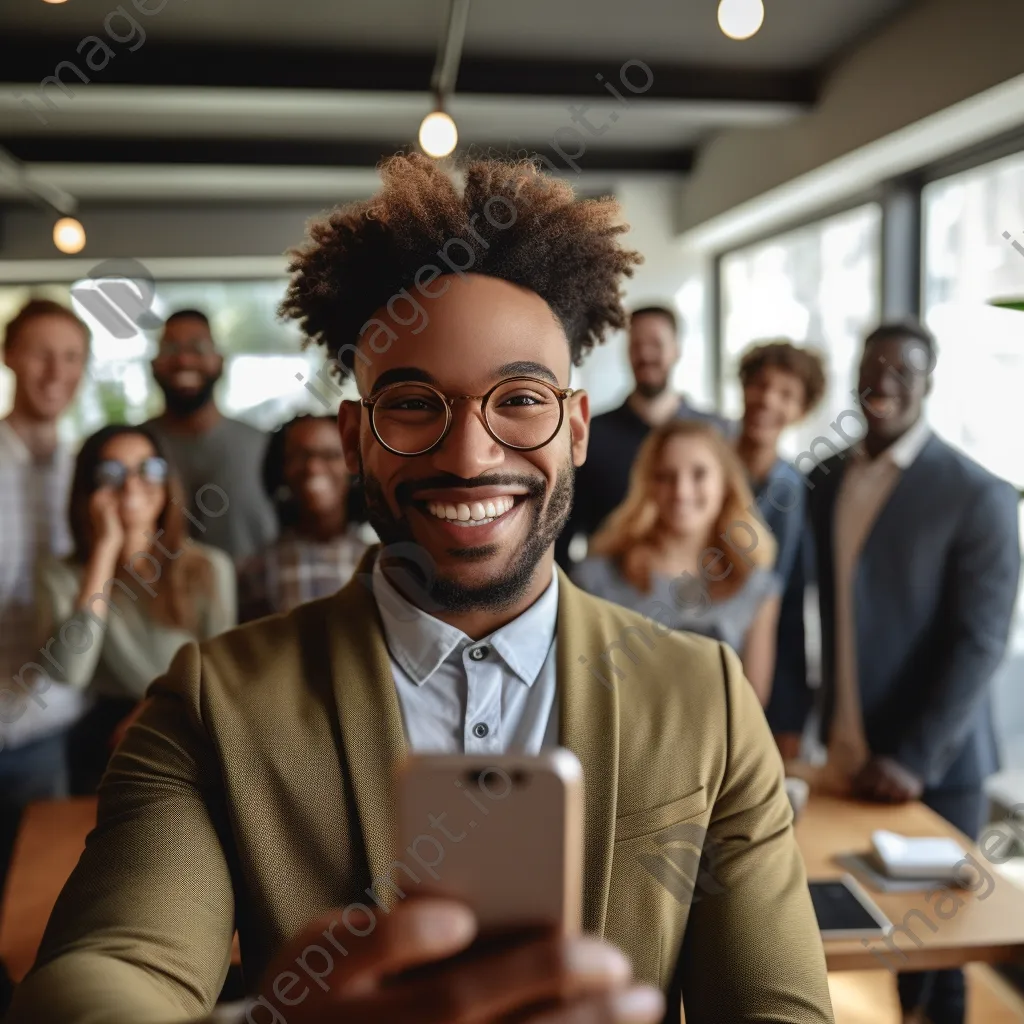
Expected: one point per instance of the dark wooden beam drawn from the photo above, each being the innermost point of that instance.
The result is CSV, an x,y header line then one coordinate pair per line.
x,y
197,151
31,59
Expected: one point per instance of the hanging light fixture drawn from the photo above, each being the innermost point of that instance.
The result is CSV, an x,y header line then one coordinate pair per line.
x,y
69,235
438,134
740,19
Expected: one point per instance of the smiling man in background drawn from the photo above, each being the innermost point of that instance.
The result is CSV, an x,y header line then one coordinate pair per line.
x,y
256,789
207,447
918,560
46,347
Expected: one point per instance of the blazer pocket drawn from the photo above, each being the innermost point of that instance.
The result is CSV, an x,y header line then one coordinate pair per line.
x,y
657,819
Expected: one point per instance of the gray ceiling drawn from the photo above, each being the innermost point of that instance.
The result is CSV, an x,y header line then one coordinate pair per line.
x,y
281,98
796,33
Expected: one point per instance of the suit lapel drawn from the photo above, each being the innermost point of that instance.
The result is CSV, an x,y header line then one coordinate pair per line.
x,y
589,727
373,740
908,497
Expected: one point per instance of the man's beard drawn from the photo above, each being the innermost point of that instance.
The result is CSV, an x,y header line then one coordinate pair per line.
x,y
431,590
183,403
652,390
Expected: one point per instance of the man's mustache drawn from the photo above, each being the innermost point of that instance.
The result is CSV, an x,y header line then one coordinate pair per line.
x,y
406,491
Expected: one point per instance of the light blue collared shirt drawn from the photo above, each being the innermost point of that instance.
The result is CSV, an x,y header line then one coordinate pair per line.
x,y
457,695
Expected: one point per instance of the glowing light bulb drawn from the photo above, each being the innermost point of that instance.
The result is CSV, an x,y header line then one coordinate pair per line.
x,y
53,1
69,235
740,19
438,134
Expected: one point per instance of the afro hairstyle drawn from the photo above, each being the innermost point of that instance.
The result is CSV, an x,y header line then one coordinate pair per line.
x,y
508,221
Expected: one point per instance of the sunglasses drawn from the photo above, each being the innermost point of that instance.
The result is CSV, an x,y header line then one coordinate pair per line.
x,y
114,474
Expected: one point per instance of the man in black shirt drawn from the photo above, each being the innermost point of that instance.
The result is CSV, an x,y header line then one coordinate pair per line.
x,y
616,436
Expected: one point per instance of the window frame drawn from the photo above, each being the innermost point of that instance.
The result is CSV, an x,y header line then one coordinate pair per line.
x,y
901,261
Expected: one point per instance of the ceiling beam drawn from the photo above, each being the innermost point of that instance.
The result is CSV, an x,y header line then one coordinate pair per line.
x,y
31,59
92,149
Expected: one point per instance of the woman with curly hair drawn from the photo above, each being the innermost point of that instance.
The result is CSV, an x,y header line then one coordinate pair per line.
x,y
688,538
782,383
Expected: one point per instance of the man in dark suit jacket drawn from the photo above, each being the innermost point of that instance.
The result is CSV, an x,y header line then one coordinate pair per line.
x,y
918,560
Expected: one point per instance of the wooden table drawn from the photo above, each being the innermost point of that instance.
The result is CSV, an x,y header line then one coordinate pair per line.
x,y
50,841
52,836
989,929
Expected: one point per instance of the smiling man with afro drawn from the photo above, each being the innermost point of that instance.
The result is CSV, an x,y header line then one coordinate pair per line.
x,y
256,788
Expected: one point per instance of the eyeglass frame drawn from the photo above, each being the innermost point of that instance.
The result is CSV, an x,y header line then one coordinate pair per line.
x,y
449,410
132,471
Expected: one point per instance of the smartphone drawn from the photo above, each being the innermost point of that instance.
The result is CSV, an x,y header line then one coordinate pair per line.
x,y
503,834
845,911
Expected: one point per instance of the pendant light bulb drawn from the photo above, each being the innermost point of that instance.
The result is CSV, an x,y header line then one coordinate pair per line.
x,y
438,134
69,235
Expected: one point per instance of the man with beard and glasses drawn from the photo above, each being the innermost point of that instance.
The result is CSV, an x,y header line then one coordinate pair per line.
x,y
255,790
207,447
616,436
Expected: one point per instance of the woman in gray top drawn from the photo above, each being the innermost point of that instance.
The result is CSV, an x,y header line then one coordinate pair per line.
x,y
687,547
135,590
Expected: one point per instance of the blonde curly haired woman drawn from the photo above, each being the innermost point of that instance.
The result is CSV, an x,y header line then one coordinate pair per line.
x,y
688,535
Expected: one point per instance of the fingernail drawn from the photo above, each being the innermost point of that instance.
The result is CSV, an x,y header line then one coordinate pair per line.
x,y
638,1006
443,925
589,958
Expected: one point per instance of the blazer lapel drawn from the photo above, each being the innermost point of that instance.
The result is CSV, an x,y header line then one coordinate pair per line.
x,y
589,727
909,500
373,740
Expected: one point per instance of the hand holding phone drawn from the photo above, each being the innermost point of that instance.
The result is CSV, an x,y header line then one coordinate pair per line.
x,y
419,964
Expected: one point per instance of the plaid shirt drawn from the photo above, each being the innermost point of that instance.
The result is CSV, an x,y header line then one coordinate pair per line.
x,y
294,570
33,522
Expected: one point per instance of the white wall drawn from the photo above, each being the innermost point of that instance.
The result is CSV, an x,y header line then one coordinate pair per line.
x,y
668,276
938,54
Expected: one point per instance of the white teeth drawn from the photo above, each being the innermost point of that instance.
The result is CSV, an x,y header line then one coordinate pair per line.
x,y
318,484
477,513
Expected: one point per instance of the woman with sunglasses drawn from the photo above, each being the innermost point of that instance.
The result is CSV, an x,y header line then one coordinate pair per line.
x,y
134,591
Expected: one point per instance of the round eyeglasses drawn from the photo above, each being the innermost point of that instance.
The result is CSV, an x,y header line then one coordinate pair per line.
x,y
114,474
522,413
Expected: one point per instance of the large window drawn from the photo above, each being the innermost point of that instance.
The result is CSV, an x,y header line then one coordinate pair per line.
x,y
979,377
818,285
968,265
261,356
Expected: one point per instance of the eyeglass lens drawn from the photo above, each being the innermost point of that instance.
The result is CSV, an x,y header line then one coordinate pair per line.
x,y
411,418
111,473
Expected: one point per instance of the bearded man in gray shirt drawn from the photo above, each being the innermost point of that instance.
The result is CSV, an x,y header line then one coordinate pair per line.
x,y
218,460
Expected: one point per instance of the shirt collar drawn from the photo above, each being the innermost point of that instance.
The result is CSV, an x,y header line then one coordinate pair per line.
x,y
11,445
906,449
14,449
421,643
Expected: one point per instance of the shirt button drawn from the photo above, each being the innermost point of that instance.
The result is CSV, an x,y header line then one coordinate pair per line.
x,y
480,730
479,653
